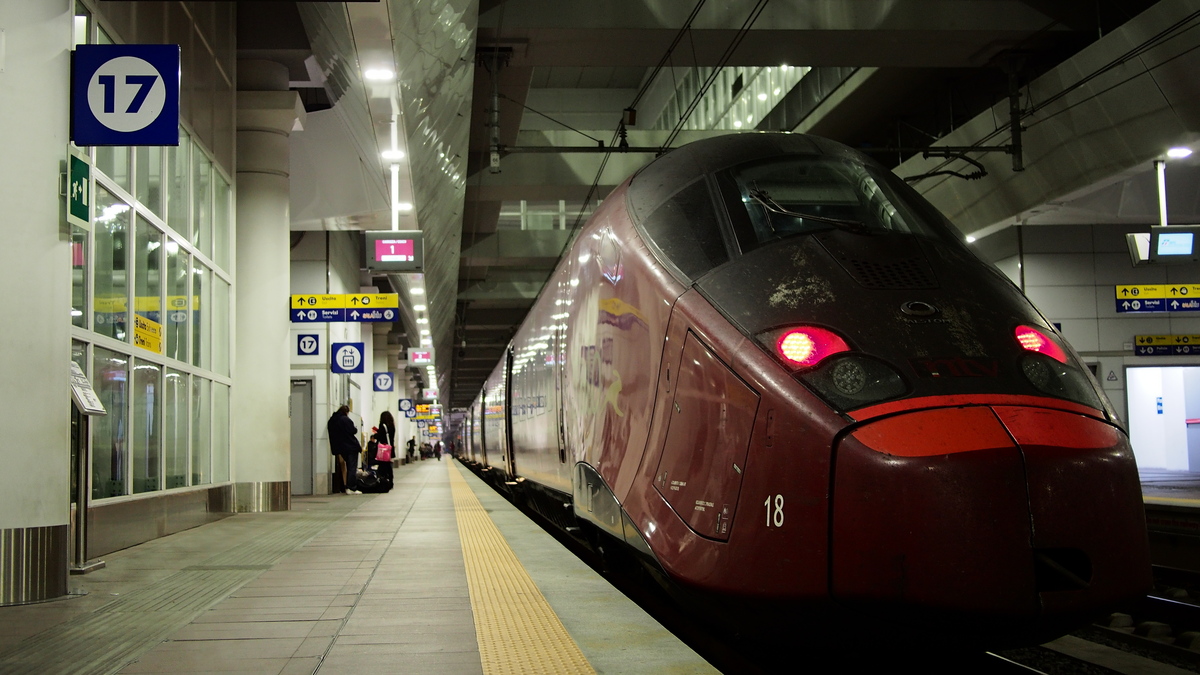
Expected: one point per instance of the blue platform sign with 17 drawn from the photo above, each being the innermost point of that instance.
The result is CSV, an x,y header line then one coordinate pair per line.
x,y
308,344
383,381
125,95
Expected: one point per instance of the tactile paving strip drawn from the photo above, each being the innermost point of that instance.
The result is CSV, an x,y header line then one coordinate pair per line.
x,y
517,630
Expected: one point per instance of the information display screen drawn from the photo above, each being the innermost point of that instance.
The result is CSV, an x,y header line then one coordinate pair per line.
x,y
1174,244
394,250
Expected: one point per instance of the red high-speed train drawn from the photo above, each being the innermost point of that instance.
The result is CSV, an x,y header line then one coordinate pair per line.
x,y
776,374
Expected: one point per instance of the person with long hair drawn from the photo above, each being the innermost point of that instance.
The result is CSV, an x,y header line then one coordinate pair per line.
x,y
385,434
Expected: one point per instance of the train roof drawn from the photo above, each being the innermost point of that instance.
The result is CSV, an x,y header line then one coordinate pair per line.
x,y
670,173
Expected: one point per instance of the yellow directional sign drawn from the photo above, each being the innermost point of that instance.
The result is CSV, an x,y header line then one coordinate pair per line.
x,y
347,301
1141,292
372,301
1182,291
317,301
1166,345
147,334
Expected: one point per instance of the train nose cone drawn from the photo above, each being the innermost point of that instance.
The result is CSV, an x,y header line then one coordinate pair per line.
x,y
988,511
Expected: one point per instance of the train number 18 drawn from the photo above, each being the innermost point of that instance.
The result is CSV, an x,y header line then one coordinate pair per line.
x,y
774,516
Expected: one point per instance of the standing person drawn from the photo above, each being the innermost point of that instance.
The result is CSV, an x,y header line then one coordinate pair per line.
x,y
385,435
343,442
437,450
412,448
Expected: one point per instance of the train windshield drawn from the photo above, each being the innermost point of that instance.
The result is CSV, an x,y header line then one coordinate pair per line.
x,y
806,194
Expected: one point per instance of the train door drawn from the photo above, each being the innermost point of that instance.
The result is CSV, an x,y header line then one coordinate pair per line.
x,y
510,460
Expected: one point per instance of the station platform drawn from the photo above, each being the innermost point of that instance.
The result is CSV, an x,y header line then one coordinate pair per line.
x,y
441,575
1177,488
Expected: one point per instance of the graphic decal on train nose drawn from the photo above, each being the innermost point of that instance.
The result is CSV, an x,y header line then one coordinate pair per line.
x,y
956,367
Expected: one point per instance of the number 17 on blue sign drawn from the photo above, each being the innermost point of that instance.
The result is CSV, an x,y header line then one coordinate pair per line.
x,y
125,95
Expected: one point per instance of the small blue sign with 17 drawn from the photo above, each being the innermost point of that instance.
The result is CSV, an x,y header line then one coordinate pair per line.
x,y
308,345
383,381
347,357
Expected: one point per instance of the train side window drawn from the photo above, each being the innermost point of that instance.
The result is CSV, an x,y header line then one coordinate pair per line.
x,y
686,229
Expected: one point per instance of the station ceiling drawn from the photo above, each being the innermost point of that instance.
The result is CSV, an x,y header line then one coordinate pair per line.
x,y
501,107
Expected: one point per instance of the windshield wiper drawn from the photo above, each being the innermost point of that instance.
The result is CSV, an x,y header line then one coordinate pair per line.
x,y
771,205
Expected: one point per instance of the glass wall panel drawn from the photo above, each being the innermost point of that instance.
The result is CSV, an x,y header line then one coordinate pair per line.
x,y
114,162
109,434
175,428
149,177
111,225
80,33
79,276
146,418
178,185
202,191
220,440
201,431
201,315
147,270
221,222
79,356
220,326
177,301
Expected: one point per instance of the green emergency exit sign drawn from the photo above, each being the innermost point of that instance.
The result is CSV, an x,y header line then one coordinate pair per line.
x,y
79,188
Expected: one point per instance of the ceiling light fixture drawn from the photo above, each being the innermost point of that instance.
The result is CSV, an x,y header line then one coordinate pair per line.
x,y
392,155
419,308
1179,153
379,74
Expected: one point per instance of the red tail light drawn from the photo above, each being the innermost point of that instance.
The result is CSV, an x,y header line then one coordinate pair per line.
x,y
1034,340
808,345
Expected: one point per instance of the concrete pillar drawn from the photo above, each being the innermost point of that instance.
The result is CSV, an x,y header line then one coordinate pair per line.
x,y
266,115
35,263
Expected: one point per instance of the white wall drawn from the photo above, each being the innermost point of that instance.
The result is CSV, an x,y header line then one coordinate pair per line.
x,y
1070,274
311,272
34,264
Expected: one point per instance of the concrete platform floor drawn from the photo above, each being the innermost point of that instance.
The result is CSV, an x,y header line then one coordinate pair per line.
x,y
339,584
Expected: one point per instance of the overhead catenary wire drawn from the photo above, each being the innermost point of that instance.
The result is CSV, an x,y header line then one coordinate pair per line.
x,y
729,51
1171,32
587,200
744,30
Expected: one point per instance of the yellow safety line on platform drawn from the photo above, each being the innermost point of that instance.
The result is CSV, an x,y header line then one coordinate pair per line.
x,y
1171,500
517,630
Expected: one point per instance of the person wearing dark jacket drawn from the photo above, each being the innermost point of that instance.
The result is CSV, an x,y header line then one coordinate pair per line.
x,y
343,442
